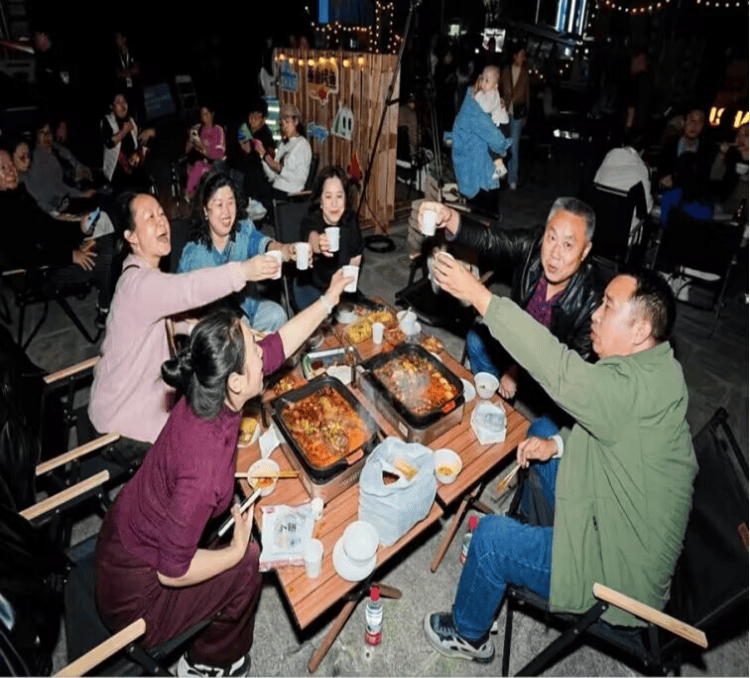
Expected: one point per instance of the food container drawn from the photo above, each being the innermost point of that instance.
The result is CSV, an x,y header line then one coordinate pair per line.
x,y
424,425
324,478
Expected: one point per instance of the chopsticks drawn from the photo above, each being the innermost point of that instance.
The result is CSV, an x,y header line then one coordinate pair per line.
x,y
504,482
280,474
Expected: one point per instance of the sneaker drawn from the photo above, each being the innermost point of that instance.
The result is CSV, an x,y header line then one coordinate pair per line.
x,y
442,634
186,667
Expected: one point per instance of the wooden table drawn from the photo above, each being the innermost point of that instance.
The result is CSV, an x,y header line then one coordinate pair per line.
x,y
310,598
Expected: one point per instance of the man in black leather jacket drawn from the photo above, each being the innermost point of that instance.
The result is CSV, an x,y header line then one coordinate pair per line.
x,y
552,280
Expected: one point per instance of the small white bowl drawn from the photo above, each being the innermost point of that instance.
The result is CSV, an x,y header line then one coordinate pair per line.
x,y
265,467
447,465
360,542
486,384
469,391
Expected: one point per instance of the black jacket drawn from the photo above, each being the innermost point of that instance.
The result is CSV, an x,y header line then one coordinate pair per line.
x,y
521,249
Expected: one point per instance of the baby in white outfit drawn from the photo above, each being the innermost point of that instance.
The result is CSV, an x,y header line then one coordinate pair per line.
x,y
487,95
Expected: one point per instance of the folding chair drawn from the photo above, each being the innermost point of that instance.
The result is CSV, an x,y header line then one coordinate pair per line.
x,y
710,580
691,248
288,217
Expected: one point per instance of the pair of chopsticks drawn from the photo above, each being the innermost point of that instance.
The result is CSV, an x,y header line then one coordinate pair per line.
x,y
246,505
504,482
280,474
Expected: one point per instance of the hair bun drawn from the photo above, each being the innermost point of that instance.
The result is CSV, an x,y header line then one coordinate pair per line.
x,y
178,371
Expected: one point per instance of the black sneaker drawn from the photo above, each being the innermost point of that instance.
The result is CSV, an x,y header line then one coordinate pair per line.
x,y
187,667
442,634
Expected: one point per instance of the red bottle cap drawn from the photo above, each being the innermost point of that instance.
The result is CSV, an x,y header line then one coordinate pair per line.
x,y
374,594
473,521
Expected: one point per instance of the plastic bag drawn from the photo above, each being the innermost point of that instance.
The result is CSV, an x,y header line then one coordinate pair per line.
x,y
285,533
396,507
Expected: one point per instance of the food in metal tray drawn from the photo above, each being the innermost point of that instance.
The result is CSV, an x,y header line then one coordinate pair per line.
x,y
416,383
431,344
325,426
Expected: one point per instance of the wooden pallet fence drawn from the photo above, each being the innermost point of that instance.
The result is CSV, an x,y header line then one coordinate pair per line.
x,y
320,83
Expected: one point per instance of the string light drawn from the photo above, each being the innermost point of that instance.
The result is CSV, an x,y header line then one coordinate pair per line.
x,y
651,7
368,37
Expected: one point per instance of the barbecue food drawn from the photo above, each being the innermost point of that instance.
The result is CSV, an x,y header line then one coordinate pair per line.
x,y
415,383
359,331
395,336
285,384
385,317
247,429
325,426
431,344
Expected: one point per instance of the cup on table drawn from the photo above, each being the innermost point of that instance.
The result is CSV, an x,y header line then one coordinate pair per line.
x,y
378,329
276,254
351,272
303,255
333,233
408,322
314,558
429,220
360,542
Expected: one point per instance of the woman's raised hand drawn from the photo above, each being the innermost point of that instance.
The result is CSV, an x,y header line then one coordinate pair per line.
x,y
260,267
338,282
324,244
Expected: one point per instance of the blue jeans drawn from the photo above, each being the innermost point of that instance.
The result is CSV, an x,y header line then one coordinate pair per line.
x,y
505,551
268,316
479,355
515,137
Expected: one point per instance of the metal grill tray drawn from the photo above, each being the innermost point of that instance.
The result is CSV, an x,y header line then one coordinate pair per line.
x,y
412,419
323,473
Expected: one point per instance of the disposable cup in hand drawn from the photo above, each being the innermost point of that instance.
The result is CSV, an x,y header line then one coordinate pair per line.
x,y
429,219
351,272
314,558
303,256
276,254
377,333
333,238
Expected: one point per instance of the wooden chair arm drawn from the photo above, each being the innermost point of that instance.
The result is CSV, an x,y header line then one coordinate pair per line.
x,y
71,371
104,650
75,453
651,615
51,503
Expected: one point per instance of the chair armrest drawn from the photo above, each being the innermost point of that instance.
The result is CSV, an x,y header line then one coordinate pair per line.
x,y
651,615
104,650
76,452
71,371
299,194
51,503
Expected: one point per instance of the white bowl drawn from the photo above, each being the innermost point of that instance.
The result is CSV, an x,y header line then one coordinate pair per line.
x,y
360,542
486,384
469,391
266,467
345,313
447,465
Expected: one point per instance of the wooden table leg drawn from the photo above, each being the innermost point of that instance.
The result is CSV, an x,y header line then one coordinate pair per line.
x,y
388,591
332,634
462,508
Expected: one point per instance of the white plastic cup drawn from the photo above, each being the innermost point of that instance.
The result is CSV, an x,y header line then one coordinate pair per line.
x,y
303,255
316,506
429,220
351,272
276,254
378,329
333,233
314,558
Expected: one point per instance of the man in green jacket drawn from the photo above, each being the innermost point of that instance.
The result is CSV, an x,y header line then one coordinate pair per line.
x,y
623,489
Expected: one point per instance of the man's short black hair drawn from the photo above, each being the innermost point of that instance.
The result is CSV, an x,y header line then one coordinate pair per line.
x,y
654,300
259,106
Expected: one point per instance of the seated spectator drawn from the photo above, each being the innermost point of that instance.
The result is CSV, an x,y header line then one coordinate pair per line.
x,y
207,143
329,206
474,136
630,449
691,192
20,153
124,147
128,394
33,238
692,139
222,233
150,562
255,140
288,170
623,168
729,172
45,178
552,280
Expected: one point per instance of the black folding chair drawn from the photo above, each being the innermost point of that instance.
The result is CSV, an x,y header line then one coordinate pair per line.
x,y
691,248
288,215
709,584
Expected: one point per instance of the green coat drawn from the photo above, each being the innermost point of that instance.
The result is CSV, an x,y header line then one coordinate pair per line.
x,y
625,482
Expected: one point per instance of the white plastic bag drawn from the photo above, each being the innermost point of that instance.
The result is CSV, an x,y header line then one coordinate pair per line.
x,y
489,423
395,508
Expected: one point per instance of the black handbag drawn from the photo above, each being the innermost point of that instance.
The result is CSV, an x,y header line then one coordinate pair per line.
x,y
520,111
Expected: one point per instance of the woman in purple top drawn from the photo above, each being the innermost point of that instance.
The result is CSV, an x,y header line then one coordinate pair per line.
x,y
208,142
149,563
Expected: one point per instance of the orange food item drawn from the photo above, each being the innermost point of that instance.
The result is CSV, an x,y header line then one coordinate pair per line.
x,y
445,470
262,483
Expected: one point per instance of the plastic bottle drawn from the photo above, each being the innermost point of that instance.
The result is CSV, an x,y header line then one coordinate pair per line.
x,y
374,618
467,539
